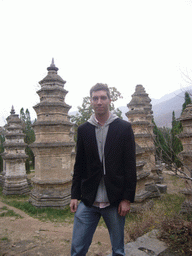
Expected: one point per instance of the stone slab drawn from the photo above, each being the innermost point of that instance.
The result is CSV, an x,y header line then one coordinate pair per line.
x,y
145,245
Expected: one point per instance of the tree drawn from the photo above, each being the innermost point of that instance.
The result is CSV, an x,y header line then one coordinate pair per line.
x,y
84,112
168,145
162,143
187,101
28,130
29,138
176,143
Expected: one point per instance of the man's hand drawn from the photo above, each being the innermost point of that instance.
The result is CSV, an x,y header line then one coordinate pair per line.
x,y
73,205
124,207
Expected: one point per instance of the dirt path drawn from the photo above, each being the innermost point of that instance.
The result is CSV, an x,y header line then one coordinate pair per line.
x,y
29,236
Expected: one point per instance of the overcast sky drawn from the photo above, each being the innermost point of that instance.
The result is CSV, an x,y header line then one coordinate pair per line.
x,y
122,43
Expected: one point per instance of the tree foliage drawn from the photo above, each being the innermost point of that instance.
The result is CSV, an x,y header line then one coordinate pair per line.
x,y
167,143
187,101
176,143
162,143
29,138
84,112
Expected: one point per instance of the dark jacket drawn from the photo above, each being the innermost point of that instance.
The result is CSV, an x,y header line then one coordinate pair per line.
x,y
120,164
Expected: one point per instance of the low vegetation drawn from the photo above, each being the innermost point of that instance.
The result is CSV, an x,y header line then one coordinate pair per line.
x,y
175,229
43,214
5,212
177,233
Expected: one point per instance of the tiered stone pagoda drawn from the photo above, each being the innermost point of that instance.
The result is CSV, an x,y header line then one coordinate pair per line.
x,y
186,155
186,139
54,144
140,116
140,163
14,157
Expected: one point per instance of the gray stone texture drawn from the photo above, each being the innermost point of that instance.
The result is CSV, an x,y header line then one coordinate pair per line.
x,y
140,115
54,144
146,245
14,172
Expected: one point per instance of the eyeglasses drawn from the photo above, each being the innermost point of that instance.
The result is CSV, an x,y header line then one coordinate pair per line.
x,y
96,98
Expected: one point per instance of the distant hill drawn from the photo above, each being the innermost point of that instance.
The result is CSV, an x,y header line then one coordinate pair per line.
x,y
170,95
164,107
162,112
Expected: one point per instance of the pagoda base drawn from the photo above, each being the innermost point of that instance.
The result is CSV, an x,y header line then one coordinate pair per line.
x,y
15,185
56,194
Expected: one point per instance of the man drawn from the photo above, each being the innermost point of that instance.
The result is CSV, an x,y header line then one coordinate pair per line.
x,y
104,175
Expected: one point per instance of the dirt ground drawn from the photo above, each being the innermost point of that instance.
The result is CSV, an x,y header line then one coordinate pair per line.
x,y
31,237
28,236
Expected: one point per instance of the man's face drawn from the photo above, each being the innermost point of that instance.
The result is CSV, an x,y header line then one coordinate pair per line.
x,y
100,102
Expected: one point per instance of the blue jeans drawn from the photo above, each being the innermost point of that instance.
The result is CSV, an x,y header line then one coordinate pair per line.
x,y
85,222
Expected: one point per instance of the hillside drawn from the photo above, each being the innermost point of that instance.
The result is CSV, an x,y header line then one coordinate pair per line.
x,y
162,112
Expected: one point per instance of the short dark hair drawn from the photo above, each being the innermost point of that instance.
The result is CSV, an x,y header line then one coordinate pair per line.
x,y
100,87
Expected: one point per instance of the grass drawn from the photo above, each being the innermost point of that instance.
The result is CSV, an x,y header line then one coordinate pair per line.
x,y
43,214
8,213
4,238
175,229
138,224
177,233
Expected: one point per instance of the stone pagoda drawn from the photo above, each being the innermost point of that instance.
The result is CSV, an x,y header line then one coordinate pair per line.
x,y
140,116
140,163
186,139
54,145
186,156
14,157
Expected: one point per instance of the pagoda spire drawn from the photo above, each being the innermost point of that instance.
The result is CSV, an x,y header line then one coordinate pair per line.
x,y
52,66
12,111
52,63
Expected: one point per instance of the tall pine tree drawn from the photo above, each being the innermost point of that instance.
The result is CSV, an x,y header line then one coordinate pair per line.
x,y
187,101
162,143
29,138
176,143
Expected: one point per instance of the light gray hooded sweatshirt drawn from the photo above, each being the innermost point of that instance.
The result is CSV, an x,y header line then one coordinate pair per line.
x,y
101,135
